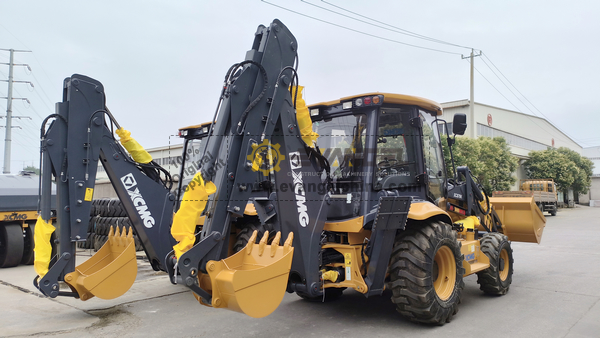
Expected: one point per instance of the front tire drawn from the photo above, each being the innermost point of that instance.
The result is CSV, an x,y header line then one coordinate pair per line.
x,y
496,279
246,232
426,273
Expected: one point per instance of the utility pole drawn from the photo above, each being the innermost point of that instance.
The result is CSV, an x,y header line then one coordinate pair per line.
x,y
471,120
9,98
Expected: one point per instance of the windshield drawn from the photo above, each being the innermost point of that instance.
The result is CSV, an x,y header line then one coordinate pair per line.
x,y
342,140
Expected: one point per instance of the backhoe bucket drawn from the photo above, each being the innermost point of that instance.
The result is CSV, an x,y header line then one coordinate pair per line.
x,y
253,280
522,220
110,272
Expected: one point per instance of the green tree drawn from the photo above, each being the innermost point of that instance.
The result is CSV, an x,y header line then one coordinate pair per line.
x,y
32,168
583,179
566,167
498,164
489,160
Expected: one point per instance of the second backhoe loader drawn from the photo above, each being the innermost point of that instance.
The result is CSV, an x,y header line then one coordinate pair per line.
x,y
350,193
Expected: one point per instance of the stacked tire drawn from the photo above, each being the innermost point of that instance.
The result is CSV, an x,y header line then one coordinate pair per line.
x,y
107,212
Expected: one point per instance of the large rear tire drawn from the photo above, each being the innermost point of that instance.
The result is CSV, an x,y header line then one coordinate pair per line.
x,y
426,273
496,279
11,245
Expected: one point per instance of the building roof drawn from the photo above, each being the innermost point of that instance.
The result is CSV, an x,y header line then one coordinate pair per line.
x,y
464,103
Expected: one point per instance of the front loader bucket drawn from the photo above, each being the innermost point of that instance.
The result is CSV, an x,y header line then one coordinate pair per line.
x,y
110,272
253,280
522,220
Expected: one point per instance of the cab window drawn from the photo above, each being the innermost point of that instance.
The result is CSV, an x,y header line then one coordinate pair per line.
x,y
432,154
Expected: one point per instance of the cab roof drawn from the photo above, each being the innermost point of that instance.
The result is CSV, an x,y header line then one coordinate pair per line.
x,y
389,98
196,126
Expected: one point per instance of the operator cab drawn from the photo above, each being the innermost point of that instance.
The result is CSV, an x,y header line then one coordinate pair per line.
x,y
380,144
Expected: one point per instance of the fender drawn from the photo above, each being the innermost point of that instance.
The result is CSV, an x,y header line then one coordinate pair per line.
x,y
423,210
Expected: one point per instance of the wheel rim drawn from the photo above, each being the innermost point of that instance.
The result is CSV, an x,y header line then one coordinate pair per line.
x,y
445,278
504,272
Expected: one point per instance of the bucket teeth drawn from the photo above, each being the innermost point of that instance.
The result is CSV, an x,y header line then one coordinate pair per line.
x,y
263,243
251,242
288,242
275,243
120,238
113,237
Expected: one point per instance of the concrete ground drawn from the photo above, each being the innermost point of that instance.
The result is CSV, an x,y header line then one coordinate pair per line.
x,y
555,293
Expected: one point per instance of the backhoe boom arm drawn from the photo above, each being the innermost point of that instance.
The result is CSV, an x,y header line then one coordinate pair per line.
x,y
76,140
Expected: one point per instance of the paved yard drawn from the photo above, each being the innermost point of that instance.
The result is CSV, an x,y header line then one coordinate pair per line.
x,y
555,293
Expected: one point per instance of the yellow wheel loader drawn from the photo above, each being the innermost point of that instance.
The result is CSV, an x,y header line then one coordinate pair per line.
x,y
350,193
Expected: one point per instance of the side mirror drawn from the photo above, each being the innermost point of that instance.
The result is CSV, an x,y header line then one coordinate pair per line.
x,y
459,124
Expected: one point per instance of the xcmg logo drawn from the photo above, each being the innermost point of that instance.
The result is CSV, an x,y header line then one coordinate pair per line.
x,y
296,164
130,183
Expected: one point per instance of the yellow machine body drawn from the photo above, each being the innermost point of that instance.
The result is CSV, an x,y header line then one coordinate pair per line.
x,y
110,272
474,259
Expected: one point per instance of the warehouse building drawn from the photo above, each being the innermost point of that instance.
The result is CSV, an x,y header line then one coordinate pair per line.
x,y
522,132
592,198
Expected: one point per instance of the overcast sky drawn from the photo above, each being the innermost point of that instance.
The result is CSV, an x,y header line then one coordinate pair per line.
x,y
162,63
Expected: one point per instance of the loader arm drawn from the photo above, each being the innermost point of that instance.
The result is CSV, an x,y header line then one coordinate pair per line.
x,y
76,140
516,217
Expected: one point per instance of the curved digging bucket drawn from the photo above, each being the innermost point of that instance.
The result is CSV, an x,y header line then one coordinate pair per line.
x,y
110,272
252,281
522,220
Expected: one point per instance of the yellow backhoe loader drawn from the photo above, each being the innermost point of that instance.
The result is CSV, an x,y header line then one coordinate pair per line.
x,y
350,193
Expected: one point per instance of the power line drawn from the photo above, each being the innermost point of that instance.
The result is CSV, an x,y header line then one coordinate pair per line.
x,y
35,91
30,130
397,29
542,114
42,88
33,74
530,117
499,92
485,55
9,99
507,87
416,35
358,31
30,106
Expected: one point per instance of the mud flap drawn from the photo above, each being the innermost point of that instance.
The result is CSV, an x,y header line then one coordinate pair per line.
x,y
522,220
252,281
110,272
